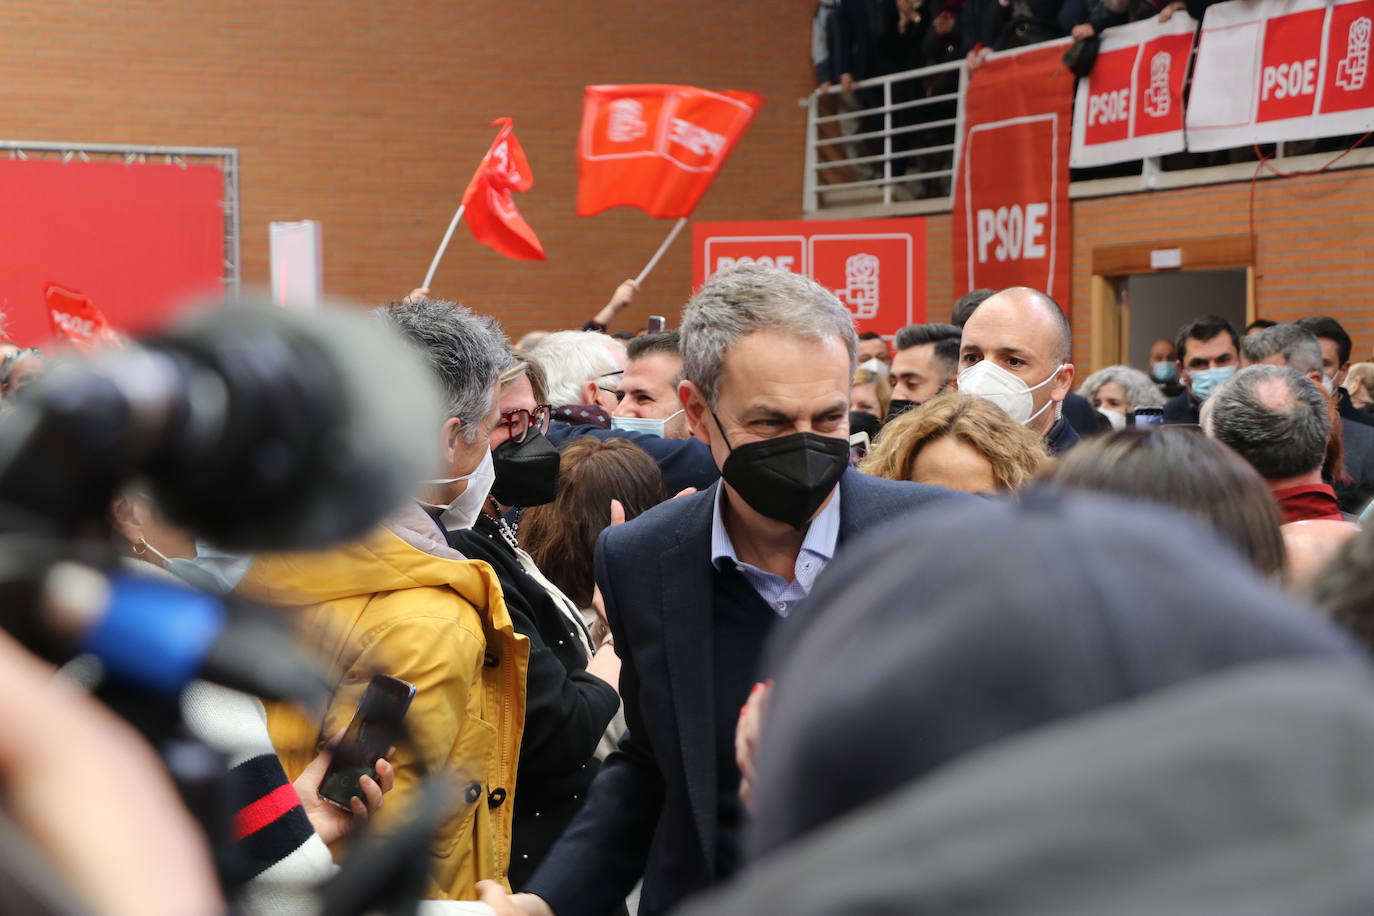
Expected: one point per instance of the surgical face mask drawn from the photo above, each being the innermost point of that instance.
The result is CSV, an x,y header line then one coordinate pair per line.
x,y
1165,371
462,512
1114,417
1329,384
1205,381
988,380
650,425
875,365
526,472
787,478
210,570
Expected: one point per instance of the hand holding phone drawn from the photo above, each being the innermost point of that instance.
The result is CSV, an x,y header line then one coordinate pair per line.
x,y
375,728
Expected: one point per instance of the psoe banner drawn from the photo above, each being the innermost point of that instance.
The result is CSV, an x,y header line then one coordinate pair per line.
x,y
1131,105
1011,219
877,267
1274,70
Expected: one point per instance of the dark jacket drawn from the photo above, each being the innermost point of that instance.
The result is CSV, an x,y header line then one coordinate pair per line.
x,y
653,810
684,462
1079,411
1349,411
1061,437
566,709
938,636
1182,409
1148,809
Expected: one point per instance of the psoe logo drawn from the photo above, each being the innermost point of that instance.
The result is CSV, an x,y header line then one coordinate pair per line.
x,y
1353,69
1157,98
626,122
696,138
860,293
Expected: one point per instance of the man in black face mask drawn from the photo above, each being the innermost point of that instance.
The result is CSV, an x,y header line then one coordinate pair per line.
x,y
692,587
927,359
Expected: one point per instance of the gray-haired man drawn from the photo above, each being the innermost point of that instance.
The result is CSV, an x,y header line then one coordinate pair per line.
x,y
693,587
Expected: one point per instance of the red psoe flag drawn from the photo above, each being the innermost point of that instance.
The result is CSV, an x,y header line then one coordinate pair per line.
x,y
491,212
655,147
76,319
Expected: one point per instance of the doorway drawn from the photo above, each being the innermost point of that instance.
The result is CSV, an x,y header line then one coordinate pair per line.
x,y
1157,305
1135,302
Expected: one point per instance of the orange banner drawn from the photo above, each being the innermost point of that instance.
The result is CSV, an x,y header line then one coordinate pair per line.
x,y
1011,204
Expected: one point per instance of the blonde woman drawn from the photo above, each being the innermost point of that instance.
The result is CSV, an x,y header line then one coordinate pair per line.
x,y
959,442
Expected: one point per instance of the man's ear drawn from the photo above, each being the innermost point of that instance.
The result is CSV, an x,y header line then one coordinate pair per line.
x,y
694,404
589,390
450,435
1063,382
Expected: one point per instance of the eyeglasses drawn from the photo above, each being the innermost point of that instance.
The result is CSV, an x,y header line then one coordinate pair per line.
x,y
520,421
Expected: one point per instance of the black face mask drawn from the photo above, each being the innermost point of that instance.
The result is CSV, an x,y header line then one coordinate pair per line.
x,y
526,474
898,406
786,478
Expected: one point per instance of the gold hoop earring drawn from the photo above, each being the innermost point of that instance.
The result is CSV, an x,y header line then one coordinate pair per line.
x,y
139,549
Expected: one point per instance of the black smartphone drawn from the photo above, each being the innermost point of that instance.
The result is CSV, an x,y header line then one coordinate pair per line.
x,y
375,727
1147,416
656,325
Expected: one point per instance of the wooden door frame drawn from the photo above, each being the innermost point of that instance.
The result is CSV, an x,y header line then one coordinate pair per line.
x,y
1112,265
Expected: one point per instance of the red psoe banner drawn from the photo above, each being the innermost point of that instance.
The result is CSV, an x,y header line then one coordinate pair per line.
x,y
77,320
1275,70
491,212
876,267
655,147
1131,105
1011,201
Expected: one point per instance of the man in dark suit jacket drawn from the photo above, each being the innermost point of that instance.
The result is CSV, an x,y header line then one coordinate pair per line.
x,y
693,587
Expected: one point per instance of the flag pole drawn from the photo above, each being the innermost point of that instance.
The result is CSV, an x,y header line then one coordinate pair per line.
x,y
661,249
438,255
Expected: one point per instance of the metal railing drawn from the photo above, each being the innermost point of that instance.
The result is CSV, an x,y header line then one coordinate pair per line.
x,y
859,164
886,152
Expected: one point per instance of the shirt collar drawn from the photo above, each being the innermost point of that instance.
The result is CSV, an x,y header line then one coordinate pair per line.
x,y
820,539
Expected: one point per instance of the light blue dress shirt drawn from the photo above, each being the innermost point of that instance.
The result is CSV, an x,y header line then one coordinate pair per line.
x,y
817,549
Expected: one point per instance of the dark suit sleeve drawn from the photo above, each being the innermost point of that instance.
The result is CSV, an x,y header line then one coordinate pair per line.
x,y
603,852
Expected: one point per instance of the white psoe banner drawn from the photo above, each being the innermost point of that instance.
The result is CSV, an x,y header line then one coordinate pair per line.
x,y
1274,70
1131,105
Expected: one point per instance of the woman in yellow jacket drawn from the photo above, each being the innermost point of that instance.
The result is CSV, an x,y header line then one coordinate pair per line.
x,y
401,602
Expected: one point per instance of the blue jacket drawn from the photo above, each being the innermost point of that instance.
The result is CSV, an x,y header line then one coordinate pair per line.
x,y
652,810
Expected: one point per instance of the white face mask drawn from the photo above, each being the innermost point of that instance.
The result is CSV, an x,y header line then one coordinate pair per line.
x,y
876,366
462,512
642,424
1114,417
1329,384
210,570
986,379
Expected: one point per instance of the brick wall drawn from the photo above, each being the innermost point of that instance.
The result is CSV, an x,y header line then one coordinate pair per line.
x,y
370,117
1314,245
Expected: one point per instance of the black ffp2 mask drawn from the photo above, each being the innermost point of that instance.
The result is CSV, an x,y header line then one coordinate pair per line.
x,y
787,478
526,473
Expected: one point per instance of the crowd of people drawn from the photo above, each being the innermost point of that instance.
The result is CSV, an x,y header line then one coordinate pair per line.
x,y
709,620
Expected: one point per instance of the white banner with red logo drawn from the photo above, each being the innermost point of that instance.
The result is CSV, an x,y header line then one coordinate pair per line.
x,y
1131,105
1274,70
1011,218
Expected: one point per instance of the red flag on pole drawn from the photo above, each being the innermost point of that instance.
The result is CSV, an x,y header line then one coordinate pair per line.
x,y
491,212
655,147
77,319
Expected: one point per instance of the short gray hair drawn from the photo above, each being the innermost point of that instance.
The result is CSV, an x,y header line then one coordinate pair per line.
x,y
466,352
1299,347
738,301
1280,441
1140,390
573,358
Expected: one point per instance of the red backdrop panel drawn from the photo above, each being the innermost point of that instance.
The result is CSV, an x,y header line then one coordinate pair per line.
x,y
138,239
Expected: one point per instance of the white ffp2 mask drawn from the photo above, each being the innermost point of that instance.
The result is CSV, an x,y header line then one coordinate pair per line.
x,y
986,379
